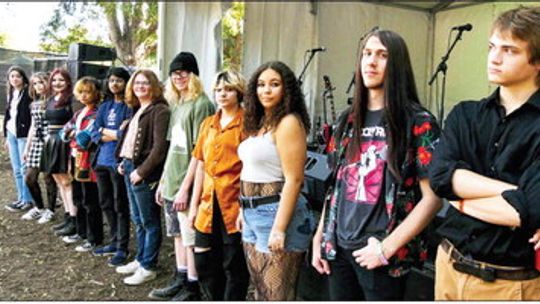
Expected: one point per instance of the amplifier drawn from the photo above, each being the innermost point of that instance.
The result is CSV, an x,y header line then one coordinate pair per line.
x,y
317,177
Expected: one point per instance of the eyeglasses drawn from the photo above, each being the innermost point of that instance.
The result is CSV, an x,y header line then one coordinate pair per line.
x,y
179,75
141,83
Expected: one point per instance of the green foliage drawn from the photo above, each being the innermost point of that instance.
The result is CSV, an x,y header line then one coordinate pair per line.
x,y
232,34
3,39
75,34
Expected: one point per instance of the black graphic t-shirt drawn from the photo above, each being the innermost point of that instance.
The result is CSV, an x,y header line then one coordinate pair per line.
x,y
362,211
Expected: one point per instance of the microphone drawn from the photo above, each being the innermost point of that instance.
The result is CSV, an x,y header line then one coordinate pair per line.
x,y
465,27
319,49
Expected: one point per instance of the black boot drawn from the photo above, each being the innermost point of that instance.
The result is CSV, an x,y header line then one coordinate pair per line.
x,y
62,224
69,229
177,283
190,292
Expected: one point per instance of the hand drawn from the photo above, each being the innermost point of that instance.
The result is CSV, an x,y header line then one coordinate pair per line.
x,y
240,221
276,241
5,144
320,264
120,169
369,256
181,200
536,239
158,197
191,216
25,156
135,178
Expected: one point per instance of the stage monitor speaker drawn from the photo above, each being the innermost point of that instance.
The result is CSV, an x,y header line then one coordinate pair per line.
x,y
78,70
317,177
88,52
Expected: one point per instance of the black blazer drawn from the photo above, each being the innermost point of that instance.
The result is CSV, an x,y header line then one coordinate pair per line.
x,y
23,119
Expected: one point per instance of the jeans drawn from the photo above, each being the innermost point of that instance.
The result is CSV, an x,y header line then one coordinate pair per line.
x,y
145,214
348,281
258,224
16,151
115,205
32,182
94,217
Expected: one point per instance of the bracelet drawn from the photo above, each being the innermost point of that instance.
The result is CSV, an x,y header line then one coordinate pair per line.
x,y
380,253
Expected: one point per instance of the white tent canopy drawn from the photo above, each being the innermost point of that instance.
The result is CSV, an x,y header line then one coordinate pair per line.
x,y
285,30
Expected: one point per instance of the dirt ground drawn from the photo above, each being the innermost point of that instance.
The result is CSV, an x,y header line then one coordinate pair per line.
x,y
36,265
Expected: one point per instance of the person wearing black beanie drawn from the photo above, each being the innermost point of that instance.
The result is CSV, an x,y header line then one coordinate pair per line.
x,y
189,106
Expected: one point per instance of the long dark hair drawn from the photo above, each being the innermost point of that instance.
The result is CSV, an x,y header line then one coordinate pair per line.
x,y
292,102
400,99
119,72
21,72
66,95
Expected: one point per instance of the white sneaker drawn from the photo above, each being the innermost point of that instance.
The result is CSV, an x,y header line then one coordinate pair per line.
x,y
32,214
130,267
140,276
46,216
70,239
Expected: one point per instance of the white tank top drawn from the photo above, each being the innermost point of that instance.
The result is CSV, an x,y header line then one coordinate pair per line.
x,y
260,160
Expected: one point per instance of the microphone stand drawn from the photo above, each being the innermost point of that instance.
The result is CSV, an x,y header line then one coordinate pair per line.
x,y
443,68
312,54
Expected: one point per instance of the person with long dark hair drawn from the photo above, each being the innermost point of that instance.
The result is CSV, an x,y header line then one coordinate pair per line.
x,y
381,201
55,155
110,124
17,121
39,90
143,149
277,223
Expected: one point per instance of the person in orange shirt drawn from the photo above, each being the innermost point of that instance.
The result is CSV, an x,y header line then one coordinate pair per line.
x,y
214,207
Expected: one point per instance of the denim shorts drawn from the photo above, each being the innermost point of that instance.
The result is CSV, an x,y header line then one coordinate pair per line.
x,y
258,223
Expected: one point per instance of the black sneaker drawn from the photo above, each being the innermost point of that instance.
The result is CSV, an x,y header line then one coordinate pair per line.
x,y
69,229
62,224
190,292
118,259
176,285
105,250
19,206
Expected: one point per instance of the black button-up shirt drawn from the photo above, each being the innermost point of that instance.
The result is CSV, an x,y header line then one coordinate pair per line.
x,y
480,137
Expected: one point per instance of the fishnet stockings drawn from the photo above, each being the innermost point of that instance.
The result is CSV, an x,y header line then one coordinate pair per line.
x,y
274,275
260,189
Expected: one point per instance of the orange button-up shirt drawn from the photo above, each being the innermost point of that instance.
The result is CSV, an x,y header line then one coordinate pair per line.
x,y
217,148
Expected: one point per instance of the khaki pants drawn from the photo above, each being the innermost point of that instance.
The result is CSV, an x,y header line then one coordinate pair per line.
x,y
451,284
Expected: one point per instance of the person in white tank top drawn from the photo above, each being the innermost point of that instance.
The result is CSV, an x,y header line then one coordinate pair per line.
x,y
276,221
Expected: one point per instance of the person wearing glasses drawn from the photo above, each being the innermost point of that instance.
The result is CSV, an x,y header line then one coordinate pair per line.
x,y
189,106
143,149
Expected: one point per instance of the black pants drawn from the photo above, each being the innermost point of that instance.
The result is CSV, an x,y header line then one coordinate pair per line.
x,y
81,212
94,217
348,281
222,270
115,205
31,180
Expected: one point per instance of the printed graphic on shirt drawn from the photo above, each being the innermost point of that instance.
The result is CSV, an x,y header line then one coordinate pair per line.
x,y
111,118
179,139
363,178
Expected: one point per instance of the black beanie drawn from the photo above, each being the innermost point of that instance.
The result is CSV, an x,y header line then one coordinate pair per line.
x,y
184,61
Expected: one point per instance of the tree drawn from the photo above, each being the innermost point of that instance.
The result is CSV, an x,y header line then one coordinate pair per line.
x,y
232,33
132,28
3,39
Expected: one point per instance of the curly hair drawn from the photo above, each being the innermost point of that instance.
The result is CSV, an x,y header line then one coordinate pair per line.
x,y
292,103
42,77
156,88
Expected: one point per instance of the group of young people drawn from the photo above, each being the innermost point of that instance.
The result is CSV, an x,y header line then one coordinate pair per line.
x,y
228,174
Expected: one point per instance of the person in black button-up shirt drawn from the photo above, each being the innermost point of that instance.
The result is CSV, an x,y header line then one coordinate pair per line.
x,y
488,165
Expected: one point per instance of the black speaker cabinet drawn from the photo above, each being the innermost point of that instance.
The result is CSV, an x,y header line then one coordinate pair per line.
x,y
317,177
80,69
88,52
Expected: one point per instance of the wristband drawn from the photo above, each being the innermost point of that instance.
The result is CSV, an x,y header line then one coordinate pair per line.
x,y
380,253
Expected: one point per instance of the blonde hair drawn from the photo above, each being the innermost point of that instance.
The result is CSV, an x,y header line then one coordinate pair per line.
x,y
44,78
194,89
155,87
88,82
232,79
